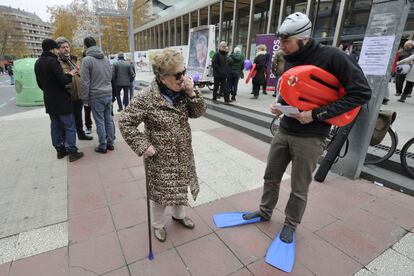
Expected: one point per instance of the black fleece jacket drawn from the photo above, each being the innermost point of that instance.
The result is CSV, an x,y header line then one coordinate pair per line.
x,y
345,69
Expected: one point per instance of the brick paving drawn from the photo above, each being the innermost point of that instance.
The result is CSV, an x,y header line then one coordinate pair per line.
x,y
348,223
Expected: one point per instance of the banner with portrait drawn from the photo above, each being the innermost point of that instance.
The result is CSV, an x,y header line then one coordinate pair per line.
x,y
201,43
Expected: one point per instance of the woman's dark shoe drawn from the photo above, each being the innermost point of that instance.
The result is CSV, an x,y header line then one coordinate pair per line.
x,y
160,234
186,222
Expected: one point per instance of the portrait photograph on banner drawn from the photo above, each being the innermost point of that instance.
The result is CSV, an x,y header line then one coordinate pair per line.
x,y
201,41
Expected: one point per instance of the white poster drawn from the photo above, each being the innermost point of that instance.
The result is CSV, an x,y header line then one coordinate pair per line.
x,y
375,54
201,47
142,61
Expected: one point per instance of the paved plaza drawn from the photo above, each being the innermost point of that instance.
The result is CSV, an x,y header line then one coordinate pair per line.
x,y
89,217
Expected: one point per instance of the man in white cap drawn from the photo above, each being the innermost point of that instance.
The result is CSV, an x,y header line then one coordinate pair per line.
x,y
301,138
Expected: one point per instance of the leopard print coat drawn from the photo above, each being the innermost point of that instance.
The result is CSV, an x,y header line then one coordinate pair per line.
x,y
172,169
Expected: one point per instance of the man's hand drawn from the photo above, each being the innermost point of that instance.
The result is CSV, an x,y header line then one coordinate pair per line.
x,y
305,117
274,110
150,151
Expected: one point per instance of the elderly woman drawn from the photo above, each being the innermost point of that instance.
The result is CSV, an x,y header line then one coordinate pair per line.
x,y
165,107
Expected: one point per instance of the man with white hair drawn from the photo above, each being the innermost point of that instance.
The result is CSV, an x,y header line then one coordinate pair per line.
x,y
236,60
301,137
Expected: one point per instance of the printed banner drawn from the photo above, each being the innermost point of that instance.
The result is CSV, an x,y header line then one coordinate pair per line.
x,y
273,45
201,47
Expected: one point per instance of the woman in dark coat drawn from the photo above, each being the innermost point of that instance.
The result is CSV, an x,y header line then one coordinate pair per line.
x,y
260,78
164,107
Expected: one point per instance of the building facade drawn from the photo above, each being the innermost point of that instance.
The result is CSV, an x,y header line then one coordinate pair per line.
x,y
239,21
32,29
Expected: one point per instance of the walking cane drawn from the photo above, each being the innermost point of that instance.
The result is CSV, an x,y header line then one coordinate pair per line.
x,y
150,254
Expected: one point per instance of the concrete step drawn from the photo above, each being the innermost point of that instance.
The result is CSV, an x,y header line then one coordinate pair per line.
x,y
251,116
251,123
388,178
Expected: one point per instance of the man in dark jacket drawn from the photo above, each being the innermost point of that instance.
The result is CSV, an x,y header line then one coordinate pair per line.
x,y
68,63
236,60
122,74
301,137
51,79
220,70
96,91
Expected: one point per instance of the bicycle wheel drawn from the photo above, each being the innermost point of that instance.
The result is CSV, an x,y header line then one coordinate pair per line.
x,y
407,157
384,150
274,125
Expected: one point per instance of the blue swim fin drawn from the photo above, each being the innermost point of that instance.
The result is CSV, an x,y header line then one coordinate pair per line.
x,y
281,255
232,219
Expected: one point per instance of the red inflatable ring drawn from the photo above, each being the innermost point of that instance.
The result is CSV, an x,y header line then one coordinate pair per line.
x,y
308,87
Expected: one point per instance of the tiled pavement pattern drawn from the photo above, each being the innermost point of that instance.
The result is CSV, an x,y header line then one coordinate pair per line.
x,y
346,226
33,182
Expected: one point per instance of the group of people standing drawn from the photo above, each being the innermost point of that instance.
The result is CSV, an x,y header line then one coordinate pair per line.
x,y
227,70
69,87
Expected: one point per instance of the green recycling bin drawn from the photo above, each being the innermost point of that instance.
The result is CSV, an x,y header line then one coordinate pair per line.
x,y
27,91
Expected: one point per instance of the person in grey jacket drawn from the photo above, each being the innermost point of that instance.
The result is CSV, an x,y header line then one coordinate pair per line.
x,y
122,75
96,91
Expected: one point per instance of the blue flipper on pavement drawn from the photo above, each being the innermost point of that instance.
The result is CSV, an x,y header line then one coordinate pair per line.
x,y
281,255
223,220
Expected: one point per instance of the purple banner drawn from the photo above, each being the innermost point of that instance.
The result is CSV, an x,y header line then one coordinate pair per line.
x,y
273,45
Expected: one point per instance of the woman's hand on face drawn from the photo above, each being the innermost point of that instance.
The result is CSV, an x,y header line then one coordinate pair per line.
x,y
188,86
150,151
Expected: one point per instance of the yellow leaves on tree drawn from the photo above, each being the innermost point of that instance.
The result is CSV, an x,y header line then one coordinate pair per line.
x,y
141,12
114,34
64,22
